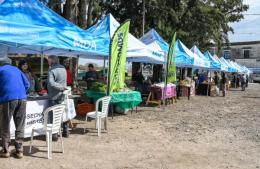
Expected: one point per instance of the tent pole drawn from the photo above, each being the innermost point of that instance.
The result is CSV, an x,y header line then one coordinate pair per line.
x,y
104,66
235,81
165,83
208,83
181,75
108,76
75,71
42,60
180,79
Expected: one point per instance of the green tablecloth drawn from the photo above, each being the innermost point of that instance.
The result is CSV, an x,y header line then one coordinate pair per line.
x,y
125,100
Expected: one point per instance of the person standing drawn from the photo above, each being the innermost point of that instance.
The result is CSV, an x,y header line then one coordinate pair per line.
x,y
217,82
57,84
203,77
216,79
247,80
34,83
243,82
91,76
14,85
138,78
69,73
238,80
223,83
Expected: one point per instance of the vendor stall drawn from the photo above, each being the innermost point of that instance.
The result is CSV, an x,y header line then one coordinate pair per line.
x,y
35,107
137,51
186,88
34,115
124,100
156,95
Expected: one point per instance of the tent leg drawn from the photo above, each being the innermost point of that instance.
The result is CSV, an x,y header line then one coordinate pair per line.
x,y
235,81
42,60
208,83
104,66
75,66
166,66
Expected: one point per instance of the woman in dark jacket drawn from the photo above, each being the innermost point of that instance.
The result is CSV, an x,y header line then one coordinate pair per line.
x,y
34,83
223,83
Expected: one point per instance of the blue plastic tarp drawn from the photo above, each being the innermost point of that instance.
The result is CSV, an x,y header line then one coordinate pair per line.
x,y
137,51
28,26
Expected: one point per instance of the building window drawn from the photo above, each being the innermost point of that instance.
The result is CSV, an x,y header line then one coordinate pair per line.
x,y
227,54
246,53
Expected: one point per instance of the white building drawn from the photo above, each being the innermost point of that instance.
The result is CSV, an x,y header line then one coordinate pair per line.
x,y
244,53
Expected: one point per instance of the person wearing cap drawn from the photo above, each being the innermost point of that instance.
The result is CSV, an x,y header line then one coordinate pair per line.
x,y
57,84
14,85
91,76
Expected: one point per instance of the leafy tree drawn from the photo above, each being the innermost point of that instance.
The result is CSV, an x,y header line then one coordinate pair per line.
x,y
200,22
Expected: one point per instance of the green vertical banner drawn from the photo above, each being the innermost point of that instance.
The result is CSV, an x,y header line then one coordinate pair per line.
x,y
117,60
171,62
170,74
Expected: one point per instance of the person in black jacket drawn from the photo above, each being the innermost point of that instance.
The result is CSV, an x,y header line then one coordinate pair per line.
x,y
216,79
223,83
91,76
34,83
138,78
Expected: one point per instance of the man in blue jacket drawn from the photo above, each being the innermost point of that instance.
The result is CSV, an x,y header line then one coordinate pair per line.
x,y
14,85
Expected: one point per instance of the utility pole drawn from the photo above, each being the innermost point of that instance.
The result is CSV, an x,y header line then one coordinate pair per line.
x,y
143,16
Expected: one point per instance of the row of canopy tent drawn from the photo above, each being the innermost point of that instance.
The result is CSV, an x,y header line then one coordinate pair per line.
x,y
137,51
30,27
184,57
193,58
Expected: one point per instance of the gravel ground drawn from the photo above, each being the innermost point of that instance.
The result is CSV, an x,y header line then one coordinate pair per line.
x,y
203,133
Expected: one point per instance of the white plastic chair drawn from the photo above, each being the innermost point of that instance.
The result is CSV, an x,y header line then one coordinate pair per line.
x,y
99,115
49,129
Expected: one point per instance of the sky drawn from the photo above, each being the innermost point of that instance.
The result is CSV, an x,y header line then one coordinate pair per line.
x,y
247,29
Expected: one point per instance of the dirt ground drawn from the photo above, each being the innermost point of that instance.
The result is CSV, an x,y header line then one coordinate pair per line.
x,y
203,133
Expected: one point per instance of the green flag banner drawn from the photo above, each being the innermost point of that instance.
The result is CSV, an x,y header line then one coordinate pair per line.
x,y
171,62
117,62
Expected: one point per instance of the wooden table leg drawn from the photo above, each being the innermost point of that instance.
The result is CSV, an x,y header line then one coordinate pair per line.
x,y
148,99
